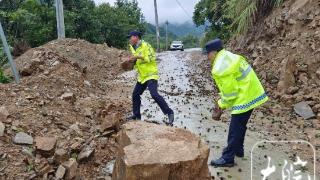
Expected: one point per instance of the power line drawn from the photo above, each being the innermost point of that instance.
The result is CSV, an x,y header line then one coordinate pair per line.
x,y
185,11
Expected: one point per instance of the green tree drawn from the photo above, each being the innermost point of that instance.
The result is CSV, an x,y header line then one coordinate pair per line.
x,y
31,21
230,17
210,13
190,41
34,21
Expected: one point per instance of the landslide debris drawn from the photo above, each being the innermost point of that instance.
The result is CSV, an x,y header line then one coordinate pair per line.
x,y
60,121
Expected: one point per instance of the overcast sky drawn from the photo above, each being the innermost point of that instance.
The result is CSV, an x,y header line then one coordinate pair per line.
x,y
167,10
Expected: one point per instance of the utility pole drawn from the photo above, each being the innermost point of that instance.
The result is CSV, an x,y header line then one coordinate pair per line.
x,y
60,19
167,23
157,25
7,51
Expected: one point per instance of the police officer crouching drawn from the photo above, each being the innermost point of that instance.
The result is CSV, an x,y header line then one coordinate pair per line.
x,y
240,91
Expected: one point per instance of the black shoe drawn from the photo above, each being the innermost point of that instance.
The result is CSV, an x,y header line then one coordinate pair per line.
x,y
221,163
240,155
171,119
133,118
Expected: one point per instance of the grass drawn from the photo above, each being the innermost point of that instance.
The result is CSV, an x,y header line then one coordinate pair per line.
x,y
3,78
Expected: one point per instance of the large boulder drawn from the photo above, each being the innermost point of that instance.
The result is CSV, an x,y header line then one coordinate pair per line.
x,y
287,76
150,152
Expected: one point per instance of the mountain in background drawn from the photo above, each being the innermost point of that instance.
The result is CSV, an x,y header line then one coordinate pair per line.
x,y
186,32
151,29
185,29
150,36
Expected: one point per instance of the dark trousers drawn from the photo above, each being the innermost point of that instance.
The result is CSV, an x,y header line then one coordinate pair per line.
x,y
152,85
237,132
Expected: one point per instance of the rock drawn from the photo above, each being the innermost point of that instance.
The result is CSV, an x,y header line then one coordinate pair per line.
x,y
111,122
287,99
287,78
303,77
33,176
75,127
104,178
71,168
304,110
68,96
45,145
75,147
4,113
61,171
292,22
60,156
44,169
85,154
27,151
55,63
31,67
127,65
108,169
88,112
298,5
150,151
2,128
87,83
316,108
23,138
318,73
292,90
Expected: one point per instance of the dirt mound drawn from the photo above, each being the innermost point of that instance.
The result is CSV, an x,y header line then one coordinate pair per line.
x,y
67,95
98,62
284,50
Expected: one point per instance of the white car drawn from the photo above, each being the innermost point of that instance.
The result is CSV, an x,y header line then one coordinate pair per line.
x,y
176,45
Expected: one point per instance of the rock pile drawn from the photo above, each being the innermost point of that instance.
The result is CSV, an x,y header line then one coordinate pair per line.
x,y
284,49
50,124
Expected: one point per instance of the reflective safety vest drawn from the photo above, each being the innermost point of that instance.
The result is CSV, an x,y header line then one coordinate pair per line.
x,y
239,86
147,67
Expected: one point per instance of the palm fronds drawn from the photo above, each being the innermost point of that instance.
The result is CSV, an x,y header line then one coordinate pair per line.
x,y
244,12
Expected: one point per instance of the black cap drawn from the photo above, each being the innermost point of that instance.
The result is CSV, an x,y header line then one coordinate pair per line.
x,y
134,33
213,45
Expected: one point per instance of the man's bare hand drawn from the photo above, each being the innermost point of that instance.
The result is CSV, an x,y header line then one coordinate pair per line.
x,y
217,112
133,59
139,57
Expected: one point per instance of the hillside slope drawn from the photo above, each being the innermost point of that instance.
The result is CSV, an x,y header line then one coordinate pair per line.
x,y
285,52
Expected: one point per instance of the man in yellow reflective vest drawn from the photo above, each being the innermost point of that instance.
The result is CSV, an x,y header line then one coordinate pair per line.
x,y
240,91
144,57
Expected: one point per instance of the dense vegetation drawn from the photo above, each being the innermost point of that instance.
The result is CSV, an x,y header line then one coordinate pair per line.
x,y
230,17
34,21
